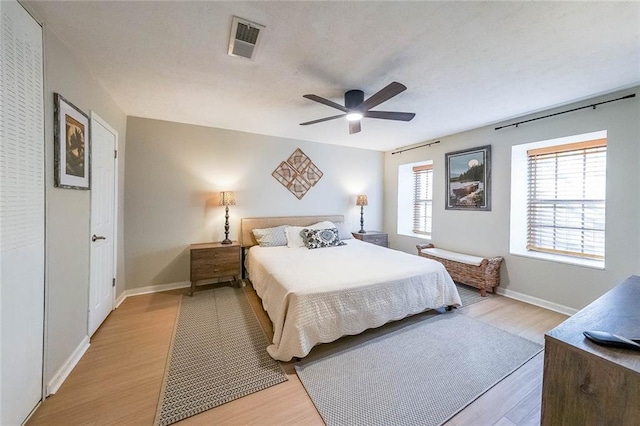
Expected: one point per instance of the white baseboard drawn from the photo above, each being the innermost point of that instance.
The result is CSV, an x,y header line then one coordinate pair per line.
x,y
120,299
536,301
64,371
150,289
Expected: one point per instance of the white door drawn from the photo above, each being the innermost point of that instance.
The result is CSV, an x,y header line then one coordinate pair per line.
x,y
22,210
103,190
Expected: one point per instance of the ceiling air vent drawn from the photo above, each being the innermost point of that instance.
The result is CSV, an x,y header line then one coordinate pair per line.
x,y
244,39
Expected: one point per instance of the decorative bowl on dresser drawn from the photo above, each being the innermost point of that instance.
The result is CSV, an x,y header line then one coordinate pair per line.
x,y
374,237
214,261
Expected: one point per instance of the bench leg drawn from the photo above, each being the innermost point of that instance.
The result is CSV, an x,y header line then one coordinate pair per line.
x,y
483,292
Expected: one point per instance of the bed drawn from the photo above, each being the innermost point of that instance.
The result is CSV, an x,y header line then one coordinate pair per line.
x,y
317,296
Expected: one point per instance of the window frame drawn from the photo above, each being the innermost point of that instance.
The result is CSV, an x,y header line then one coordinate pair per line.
x,y
427,203
406,192
519,220
549,214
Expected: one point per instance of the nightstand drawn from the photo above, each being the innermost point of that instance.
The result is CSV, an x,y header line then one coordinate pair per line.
x,y
373,237
215,260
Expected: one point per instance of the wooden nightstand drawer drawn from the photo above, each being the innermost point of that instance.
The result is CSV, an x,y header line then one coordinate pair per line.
x,y
215,260
373,237
203,270
377,239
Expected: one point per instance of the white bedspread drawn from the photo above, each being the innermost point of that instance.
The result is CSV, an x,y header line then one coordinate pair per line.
x,y
317,296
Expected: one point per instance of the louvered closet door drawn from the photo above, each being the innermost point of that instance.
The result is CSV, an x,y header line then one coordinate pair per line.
x,y
21,213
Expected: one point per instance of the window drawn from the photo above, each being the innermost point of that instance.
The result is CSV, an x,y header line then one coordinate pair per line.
x,y
422,198
558,199
567,189
415,189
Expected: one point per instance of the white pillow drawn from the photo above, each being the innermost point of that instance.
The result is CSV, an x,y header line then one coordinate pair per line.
x,y
343,232
294,239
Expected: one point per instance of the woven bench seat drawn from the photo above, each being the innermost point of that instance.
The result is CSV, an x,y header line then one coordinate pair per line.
x,y
479,272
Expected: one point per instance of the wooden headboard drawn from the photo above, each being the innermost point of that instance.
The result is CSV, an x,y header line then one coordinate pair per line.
x,y
248,224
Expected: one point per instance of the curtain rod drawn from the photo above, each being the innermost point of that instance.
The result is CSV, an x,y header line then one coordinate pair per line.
x,y
400,151
633,95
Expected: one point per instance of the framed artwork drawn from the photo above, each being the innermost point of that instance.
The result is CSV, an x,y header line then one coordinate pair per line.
x,y
298,173
72,147
468,176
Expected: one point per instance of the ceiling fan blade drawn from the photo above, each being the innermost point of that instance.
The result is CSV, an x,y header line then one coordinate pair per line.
x,y
333,117
390,115
326,102
354,127
383,95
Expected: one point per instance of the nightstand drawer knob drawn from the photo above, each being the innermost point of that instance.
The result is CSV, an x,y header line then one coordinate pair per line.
x,y
216,270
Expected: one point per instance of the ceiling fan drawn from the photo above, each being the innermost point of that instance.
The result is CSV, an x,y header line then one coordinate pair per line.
x,y
355,107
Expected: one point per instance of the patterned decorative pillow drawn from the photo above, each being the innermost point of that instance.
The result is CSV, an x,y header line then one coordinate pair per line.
x,y
294,233
271,237
319,238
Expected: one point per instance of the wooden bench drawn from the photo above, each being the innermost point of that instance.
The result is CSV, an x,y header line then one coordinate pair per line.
x,y
479,272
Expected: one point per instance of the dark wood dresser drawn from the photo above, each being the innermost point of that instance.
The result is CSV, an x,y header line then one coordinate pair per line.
x,y
214,261
373,237
588,384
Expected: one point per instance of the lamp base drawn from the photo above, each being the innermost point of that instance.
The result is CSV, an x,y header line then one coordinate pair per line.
x,y
362,231
226,227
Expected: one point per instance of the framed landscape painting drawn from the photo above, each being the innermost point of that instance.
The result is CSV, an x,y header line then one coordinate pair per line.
x,y
468,176
71,158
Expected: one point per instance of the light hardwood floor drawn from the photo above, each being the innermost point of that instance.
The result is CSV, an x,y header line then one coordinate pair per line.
x,y
119,378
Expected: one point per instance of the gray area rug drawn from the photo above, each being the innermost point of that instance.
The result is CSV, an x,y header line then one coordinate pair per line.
x,y
218,355
420,374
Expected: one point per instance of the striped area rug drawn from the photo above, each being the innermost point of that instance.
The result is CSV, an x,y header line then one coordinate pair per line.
x,y
470,295
218,354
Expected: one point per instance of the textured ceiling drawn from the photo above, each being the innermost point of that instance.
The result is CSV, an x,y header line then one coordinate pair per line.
x,y
466,64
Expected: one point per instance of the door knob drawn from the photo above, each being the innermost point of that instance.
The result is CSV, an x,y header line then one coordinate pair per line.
x,y
97,237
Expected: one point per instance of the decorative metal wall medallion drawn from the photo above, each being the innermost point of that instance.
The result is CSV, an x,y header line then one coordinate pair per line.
x,y
298,174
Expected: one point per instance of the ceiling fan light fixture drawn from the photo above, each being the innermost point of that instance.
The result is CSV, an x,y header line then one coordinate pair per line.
x,y
355,106
354,115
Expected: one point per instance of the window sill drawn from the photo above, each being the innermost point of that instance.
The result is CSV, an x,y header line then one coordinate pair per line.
x,y
420,236
587,263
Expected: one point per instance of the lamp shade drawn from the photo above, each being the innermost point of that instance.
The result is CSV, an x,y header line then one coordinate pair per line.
x,y
361,200
226,198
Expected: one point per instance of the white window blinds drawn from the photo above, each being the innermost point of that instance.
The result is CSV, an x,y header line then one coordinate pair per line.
x,y
566,199
422,198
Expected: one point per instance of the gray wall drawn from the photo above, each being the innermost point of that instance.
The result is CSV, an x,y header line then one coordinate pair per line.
x,y
175,172
487,233
68,211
